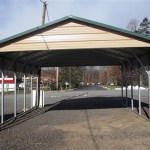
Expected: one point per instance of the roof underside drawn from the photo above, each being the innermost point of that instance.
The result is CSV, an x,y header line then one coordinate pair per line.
x,y
72,41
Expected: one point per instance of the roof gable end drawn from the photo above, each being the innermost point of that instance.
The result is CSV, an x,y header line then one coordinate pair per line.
x,y
78,20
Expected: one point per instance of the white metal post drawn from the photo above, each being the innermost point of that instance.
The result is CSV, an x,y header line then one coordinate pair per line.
x,y
126,94
122,74
139,93
43,98
126,86
2,98
24,92
31,92
37,91
122,90
15,95
132,104
148,72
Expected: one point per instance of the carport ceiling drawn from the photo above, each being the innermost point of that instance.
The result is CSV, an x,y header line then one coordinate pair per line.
x,y
72,41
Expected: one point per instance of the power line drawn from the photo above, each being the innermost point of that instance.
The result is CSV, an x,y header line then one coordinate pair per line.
x,y
42,1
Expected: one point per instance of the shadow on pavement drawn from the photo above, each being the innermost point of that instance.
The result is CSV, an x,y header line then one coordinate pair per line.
x,y
72,103
89,103
22,117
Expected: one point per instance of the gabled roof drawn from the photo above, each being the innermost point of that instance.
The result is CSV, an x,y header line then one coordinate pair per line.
x,y
72,41
80,20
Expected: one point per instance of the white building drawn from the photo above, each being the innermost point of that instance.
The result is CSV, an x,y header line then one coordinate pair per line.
x,y
8,84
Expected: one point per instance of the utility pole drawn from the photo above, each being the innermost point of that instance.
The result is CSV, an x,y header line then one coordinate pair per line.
x,y
57,77
43,22
44,12
39,71
70,78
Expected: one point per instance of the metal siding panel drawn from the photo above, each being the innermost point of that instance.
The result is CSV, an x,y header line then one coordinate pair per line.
x,y
73,36
74,45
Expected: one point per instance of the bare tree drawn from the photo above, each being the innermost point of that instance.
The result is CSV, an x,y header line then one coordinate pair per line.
x,y
111,75
48,76
133,25
114,74
91,75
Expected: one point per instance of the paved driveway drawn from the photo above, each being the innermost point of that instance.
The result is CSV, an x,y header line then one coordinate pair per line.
x,y
77,120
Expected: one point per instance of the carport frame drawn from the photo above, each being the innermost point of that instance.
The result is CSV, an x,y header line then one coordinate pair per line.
x,y
122,56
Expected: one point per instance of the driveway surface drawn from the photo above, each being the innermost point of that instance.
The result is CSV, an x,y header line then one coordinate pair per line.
x,y
77,120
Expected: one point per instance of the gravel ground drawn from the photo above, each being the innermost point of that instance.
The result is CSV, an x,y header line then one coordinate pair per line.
x,y
86,121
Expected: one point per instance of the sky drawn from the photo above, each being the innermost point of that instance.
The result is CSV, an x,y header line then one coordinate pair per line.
x,y
20,15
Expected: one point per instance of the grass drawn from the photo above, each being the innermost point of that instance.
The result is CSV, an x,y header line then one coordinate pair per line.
x,y
112,87
18,92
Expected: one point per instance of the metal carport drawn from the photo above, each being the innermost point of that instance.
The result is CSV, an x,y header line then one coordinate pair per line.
x,y
73,41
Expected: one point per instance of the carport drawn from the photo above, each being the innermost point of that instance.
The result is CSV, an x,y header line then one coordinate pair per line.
x,y
73,41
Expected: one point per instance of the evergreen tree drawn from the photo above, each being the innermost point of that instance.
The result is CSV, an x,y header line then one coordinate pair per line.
x,y
72,75
144,27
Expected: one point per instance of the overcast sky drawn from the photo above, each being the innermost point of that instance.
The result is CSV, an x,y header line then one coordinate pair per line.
x,y
20,15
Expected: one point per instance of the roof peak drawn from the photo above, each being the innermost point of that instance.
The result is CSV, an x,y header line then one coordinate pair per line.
x,y
70,16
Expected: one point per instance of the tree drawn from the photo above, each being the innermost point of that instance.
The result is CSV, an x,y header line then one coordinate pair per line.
x,y
91,75
104,77
48,77
110,75
72,75
132,25
144,27
115,75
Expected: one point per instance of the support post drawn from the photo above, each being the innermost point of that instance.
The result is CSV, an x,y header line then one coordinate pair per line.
x,y
126,88
31,86
122,83
38,86
57,77
24,93
148,72
37,91
2,98
139,92
132,103
39,80
70,70
122,88
15,95
125,73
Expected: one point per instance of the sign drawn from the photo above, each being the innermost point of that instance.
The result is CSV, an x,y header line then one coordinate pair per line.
x,y
7,80
66,83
